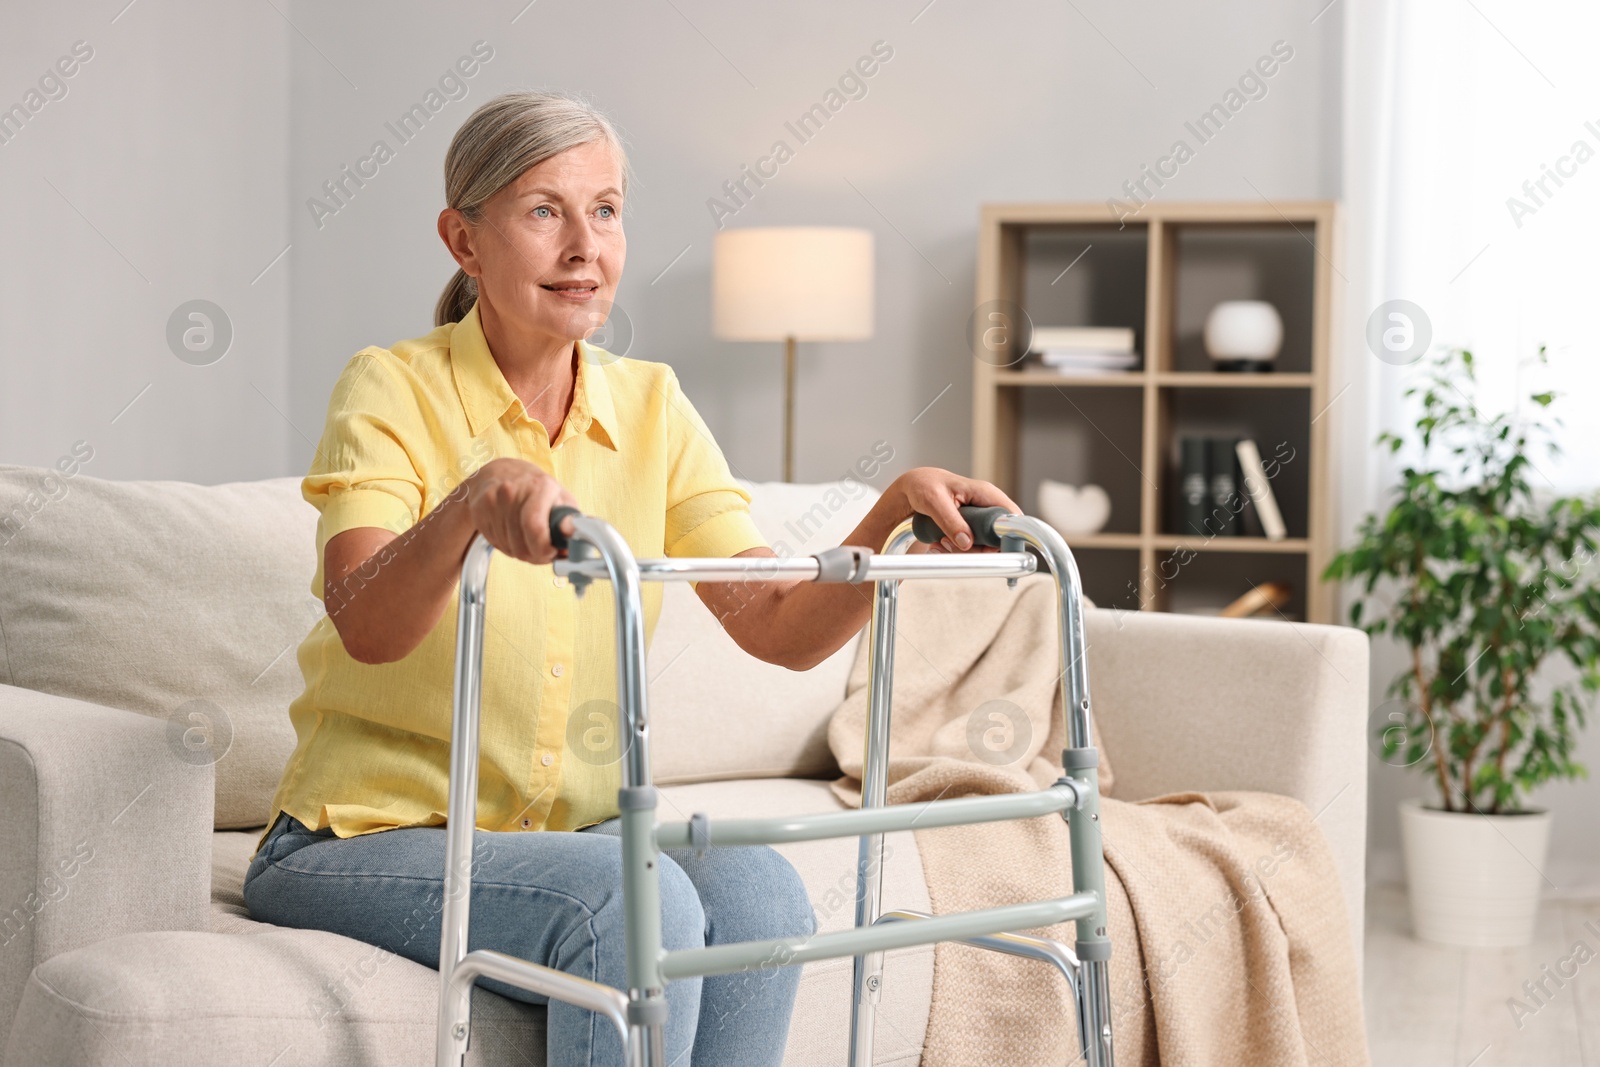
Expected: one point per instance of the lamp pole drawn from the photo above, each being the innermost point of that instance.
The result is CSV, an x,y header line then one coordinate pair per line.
x,y
788,408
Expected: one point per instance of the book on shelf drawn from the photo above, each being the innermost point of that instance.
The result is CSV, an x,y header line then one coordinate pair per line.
x,y
1194,491
1224,491
1259,486
1087,338
1084,349
1222,476
1076,361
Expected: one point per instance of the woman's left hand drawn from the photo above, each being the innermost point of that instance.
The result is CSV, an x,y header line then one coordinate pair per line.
x,y
938,493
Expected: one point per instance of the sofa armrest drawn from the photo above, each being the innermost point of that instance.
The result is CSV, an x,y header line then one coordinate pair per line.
x,y
106,831
1188,702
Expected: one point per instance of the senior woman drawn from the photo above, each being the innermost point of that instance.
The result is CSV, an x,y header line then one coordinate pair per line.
x,y
482,426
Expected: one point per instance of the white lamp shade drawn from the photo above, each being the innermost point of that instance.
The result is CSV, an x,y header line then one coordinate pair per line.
x,y
812,283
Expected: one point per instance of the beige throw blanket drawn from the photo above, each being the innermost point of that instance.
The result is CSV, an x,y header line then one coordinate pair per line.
x,y
1230,936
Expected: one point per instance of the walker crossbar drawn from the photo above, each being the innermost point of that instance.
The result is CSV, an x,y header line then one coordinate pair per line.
x,y
1043,949
778,569
572,989
778,952
925,815
640,1011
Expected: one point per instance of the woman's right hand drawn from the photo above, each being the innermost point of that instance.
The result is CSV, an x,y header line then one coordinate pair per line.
x,y
510,501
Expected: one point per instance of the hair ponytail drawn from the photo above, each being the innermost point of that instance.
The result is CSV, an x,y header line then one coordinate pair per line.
x,y
500,140
457,299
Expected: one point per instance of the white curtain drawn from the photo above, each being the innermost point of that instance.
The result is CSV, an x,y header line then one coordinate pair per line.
x,y
1472,183
1447,111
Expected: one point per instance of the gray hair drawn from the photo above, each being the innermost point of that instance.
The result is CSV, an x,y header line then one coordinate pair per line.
x,y
500,140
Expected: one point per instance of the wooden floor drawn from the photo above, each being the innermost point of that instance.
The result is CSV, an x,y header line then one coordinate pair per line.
x,y
1429,1006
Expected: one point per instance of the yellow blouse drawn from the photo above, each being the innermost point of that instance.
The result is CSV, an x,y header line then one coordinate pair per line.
x,y
405,426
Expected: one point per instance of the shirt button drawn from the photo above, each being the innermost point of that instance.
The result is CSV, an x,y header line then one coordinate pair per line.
x,y
557,670
547,759
526,823
559,579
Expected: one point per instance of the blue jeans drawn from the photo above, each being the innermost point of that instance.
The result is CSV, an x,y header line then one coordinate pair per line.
x,y
555,898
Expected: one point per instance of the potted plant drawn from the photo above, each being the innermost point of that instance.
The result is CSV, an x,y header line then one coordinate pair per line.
x,y
1484,585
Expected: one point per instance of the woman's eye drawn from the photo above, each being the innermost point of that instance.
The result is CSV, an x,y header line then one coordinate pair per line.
x,y
607,211
541,208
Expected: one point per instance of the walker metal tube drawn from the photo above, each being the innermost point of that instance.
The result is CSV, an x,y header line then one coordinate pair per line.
x,y
647,1007
867,971
1081,760
559,985
455,998
959,811
646,1001
1069,604
1043,949
880,937
767,569
1094,1011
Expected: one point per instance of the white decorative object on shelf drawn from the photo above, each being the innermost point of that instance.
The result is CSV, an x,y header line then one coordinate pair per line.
x,y
1072,510
1244,335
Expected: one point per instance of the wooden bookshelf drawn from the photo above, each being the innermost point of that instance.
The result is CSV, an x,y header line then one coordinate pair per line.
x,y
1159,273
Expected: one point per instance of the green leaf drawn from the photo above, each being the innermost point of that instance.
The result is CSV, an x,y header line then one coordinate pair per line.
x,y
1484,582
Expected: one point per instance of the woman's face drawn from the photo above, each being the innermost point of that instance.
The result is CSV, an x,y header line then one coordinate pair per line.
x,y
549,250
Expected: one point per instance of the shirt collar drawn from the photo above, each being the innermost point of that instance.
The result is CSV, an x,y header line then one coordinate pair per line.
x,y
487,396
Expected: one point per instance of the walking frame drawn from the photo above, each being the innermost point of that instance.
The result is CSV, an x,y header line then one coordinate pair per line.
x,y
597,551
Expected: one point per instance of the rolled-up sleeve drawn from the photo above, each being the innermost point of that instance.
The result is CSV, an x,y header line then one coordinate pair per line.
x,y
708,512
363,473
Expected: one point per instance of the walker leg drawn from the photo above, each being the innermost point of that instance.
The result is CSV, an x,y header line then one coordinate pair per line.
x,y
645,1046
1080,760
641,900
1094,1012
1093,945
636,802
455,998
874,788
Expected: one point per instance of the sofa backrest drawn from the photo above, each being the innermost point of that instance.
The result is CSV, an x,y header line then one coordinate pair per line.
x,y
717,712
187,602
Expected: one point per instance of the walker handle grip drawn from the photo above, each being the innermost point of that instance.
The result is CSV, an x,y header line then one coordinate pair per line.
x,y
560,511
981,520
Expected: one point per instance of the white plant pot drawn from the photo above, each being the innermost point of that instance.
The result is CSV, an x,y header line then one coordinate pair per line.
x,y
1473,879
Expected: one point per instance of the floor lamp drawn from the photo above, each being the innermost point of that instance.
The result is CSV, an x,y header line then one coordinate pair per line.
x,y
791,284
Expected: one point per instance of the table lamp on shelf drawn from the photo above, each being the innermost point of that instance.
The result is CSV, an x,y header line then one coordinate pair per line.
x,y
791,284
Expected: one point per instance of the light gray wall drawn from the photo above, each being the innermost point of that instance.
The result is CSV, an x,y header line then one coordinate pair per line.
x,y
179,163
160,177
1003,101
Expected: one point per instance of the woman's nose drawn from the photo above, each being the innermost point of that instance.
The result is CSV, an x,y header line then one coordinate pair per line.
x,y
581,242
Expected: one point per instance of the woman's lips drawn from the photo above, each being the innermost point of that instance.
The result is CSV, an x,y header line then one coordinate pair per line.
x,y
576,296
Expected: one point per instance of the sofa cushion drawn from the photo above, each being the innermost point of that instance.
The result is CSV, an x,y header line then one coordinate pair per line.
x,y
718,712
257,990
180,601
183,999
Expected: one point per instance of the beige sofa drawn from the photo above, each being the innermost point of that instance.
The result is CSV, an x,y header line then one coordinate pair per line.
x,y
147,640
